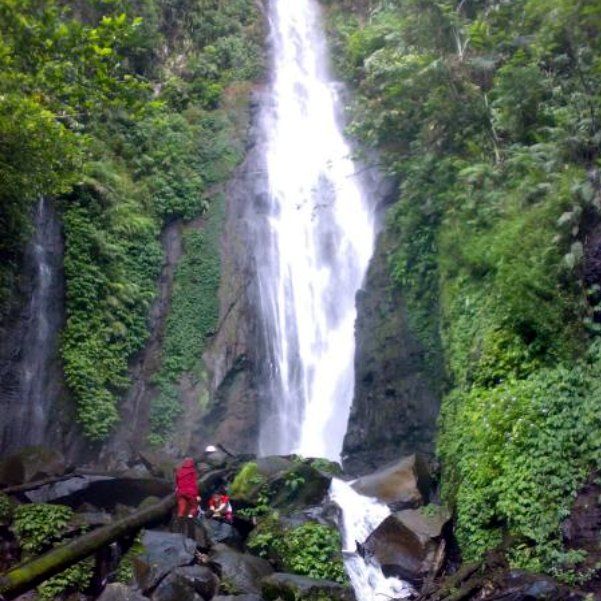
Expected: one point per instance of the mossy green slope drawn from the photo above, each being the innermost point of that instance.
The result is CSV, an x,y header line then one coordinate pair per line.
x,y
135,134
488,113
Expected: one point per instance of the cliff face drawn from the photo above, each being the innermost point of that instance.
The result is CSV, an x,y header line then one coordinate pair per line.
x,y
396,399
233,358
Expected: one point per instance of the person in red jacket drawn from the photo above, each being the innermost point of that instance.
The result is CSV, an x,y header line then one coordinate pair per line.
x,y
186,489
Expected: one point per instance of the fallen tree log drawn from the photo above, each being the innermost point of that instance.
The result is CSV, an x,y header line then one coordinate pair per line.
x,y
27,575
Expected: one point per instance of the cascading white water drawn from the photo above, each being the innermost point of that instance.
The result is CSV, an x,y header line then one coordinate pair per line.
x,y
315,237
319,234
360,517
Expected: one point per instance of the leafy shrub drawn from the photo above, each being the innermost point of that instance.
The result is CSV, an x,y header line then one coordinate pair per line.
x,y
485,118
38,527
6,509
516,455
309,550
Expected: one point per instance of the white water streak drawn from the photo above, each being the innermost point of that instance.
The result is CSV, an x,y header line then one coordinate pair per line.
x,y
360,517
320,235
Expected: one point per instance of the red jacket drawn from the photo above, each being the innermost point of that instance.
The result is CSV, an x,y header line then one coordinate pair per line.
x,y
185,480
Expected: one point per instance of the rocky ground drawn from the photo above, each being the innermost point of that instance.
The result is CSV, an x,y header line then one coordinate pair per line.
x,y
283,544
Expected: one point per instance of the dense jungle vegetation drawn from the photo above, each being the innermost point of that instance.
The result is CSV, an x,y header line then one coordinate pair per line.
x,y
130,112
488,112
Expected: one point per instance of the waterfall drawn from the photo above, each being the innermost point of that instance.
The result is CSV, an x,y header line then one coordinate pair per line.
x,y
27,381
316,239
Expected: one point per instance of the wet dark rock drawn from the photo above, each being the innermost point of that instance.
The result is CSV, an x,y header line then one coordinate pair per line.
x,y
121,592
103,492
407,544
273,465
397,392
311,487
92,519
158,463
240,572
64,489
218,531
238,598
523,586
405,483
190,583
582,531
163,552
290,587
30,464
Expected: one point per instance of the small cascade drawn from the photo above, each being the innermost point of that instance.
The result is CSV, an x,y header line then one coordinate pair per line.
x,y
28,382
360,517
315,236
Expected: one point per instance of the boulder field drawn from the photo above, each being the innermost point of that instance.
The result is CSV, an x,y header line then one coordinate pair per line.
x,y
284,542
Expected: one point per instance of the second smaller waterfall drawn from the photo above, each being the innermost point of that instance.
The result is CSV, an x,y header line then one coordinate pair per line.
x,y
360,517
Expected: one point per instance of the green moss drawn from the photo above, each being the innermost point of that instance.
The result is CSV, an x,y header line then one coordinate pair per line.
x,y
247,480
192,319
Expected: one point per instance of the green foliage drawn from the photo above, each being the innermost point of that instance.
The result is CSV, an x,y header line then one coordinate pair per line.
x,y
192,319
133,134
125,570
311,549
75,578
519,454
38,527
112,258
246,480
6,509
489,117
47,99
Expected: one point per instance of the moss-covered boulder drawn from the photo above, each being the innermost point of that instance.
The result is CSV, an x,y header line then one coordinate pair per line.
x,y
279,482
291,587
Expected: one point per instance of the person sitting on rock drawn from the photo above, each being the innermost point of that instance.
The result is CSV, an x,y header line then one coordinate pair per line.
x,y
220,506
186,489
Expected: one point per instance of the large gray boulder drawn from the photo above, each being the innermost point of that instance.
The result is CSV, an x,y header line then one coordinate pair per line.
x,y
218,531
163,552
189,583
121,592
240,573
403,484
291,587
408,544
31,463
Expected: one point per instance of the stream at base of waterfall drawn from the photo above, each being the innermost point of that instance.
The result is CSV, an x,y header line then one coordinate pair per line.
x,y
360,517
